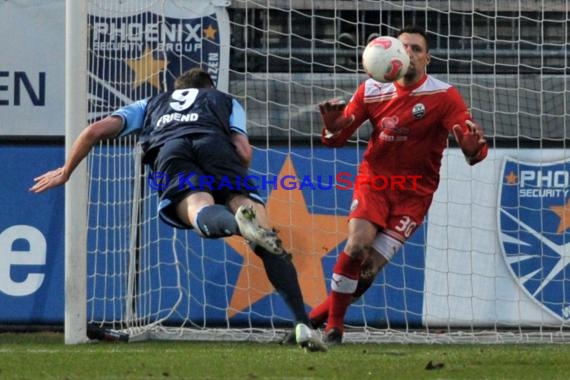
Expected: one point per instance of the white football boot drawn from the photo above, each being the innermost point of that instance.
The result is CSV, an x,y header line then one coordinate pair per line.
x,y
308,338
253,233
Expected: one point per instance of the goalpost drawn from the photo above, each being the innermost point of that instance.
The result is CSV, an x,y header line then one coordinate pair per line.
x,y
487,266
75,191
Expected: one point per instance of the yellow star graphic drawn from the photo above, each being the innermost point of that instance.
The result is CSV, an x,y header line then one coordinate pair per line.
x,y
512,178
147,69
564,213
308,237
210,32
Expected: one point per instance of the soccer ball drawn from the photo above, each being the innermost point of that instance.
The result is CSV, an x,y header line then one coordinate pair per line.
x,y
385,59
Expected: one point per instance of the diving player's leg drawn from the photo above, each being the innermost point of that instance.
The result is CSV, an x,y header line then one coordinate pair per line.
x,y
209,219
278,266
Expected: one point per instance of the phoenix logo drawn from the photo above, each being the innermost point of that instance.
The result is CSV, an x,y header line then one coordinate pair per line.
x,y
138,55
534,217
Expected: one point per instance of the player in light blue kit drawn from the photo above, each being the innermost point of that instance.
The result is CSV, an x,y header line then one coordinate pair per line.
x,y
188,134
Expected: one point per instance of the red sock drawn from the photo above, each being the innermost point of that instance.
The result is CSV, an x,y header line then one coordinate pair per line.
x,y
349,271
320,313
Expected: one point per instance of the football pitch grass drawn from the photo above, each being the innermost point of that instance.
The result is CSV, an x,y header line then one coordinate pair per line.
x,y
44,356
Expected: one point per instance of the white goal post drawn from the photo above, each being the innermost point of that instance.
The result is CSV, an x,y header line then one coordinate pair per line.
x,y
489,265
76,189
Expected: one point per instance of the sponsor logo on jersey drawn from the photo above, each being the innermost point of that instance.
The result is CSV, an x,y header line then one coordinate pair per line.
x,y
419,111
391,131
534,223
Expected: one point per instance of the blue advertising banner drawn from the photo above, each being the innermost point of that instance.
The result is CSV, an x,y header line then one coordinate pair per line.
x,y
31,238
301,201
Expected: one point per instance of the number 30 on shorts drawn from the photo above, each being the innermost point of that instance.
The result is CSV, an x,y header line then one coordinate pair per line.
x,y
406,226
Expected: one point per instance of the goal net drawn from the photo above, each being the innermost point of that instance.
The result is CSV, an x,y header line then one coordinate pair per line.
x,y
488,265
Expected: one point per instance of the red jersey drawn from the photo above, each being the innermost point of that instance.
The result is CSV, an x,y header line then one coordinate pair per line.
x,y
410,128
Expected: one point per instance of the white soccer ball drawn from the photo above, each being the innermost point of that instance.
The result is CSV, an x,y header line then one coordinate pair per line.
x,y
385,59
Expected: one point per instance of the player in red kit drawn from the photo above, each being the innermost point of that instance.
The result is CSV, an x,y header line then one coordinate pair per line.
x,y
412,119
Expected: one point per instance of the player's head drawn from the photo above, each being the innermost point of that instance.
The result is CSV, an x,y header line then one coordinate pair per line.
x,y
414,29
416,43
194,78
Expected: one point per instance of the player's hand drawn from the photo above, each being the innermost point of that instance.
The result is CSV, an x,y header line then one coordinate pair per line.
x,y
471,140
46,181
332,113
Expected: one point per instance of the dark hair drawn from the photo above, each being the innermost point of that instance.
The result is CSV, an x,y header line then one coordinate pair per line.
x,y
194,78
414,29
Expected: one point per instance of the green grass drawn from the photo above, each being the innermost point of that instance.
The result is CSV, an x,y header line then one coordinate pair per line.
x,y
44,356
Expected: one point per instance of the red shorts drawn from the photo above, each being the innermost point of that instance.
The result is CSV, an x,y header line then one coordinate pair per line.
x,y
397,211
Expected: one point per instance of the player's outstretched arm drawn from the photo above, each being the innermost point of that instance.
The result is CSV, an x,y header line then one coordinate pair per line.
x,y
338,127
106,128
471,140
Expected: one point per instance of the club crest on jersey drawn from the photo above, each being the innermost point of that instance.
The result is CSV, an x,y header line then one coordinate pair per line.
x,y
534,230
419,111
